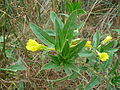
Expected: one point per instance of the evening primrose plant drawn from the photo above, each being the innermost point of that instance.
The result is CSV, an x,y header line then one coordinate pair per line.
x,y
96,55
66,53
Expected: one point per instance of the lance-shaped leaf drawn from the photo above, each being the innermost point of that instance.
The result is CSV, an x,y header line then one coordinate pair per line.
x,y
59,37
55,59
69,27
17,67
69,7
108,46
86,53
65,51
80,25
96,39
42,35
76,49
53,17
50,65
50,32
80,11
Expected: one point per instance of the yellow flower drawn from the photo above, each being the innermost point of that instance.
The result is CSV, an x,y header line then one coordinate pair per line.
x,y
103,56
32,45
107,39
88,44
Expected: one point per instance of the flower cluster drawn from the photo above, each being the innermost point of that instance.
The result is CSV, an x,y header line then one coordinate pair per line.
x,y
102,56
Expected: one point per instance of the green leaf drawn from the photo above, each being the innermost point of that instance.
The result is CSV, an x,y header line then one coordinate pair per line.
x,y
117,30
108,46
88,54
115,80
112,50
55,59
5,69
16,67
114,67
96,39
94,81
1,39
67,68
65,51
76,49
77,5
49,65
42,35
53,17
9,53
50,32
59,37
80,11
85,53
70,26
80,25
69,7
115,43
